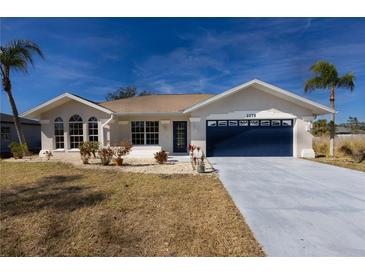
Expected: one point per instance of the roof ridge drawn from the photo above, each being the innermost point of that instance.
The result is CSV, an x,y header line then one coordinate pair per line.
x,y
157,94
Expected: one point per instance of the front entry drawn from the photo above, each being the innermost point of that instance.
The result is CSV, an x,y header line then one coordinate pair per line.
x,y
180,136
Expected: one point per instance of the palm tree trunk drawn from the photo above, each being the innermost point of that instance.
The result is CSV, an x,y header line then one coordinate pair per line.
x,y
17,123
332,122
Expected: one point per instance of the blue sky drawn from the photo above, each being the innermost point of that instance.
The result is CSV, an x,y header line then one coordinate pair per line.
x,y
93,56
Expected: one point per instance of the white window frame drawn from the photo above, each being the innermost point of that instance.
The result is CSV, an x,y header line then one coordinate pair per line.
x,y
94,137
59,121
79,136
146,134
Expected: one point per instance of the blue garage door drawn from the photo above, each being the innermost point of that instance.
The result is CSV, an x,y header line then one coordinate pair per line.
x,y
249,138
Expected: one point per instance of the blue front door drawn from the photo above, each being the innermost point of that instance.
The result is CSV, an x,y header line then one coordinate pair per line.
x,y
249,137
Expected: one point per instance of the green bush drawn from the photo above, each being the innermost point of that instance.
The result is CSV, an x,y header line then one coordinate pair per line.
x,y
18,150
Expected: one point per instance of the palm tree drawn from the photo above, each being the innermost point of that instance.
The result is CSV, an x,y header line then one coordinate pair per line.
x,y
326,77
15,56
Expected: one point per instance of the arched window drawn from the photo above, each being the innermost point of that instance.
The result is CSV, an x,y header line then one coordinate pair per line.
x,y
93,129
76,132
58,133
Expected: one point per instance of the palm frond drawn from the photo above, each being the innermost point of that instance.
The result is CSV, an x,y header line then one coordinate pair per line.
x,y
18,54
313,84
326,71
347,81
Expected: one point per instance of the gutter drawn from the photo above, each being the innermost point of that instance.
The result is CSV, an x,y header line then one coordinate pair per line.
x,y
103,125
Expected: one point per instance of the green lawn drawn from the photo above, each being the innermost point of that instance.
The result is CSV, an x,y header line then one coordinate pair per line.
x,y
53,209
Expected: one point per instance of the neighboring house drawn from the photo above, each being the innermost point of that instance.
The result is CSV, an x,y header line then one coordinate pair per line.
x,y
253,119
342,131
31,129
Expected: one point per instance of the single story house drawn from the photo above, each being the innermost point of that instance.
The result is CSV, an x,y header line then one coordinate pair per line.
x,y
253,119
31,130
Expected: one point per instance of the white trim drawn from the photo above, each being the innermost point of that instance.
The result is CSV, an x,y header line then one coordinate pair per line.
x,y
256,82
65,95
195,119
102,130
146,113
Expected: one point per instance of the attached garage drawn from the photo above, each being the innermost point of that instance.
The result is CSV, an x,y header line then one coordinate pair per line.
x,y
250,137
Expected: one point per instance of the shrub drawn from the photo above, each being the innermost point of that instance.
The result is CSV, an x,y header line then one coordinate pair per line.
x,y
94,147
321,146
353,147
119,151
18,150
85,151
106,155
350,146
160,156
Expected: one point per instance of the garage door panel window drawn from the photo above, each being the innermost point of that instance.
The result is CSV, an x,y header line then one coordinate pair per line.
x,y
276,123
287,123
212,123
254,123
233,123
243,123
265,123
222,123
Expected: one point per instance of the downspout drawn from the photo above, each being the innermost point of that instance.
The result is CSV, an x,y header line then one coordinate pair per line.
x,y
102,128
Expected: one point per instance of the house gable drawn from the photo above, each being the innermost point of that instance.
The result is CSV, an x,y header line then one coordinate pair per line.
x,y
266,88
35,113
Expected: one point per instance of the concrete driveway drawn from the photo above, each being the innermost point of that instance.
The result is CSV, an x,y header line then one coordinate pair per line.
x,y
297,207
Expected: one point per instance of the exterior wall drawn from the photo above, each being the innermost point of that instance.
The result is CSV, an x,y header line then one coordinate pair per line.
x,y
65,111
252,100
32,134
121,129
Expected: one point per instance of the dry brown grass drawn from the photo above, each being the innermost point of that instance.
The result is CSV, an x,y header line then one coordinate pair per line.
x,y
342,162
53,209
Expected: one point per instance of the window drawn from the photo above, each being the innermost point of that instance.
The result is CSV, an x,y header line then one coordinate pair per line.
x,y
93,129
145,133
58,133
254,123
76,131
5,133
212,123
275,123
222,123
232,123
152,132
265,123
243,123
286,123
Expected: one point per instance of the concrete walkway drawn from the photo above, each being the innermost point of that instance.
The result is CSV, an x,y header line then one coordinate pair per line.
x,y
297,207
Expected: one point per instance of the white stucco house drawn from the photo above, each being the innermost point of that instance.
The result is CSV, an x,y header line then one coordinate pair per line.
x,y
253,119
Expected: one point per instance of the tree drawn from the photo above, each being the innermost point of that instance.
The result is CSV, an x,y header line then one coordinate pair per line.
x,y
354,124
16,56
325,76
126,92
122,92
320,127
145,93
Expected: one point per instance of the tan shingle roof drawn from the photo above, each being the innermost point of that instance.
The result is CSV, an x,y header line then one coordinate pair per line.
x,y
155,103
